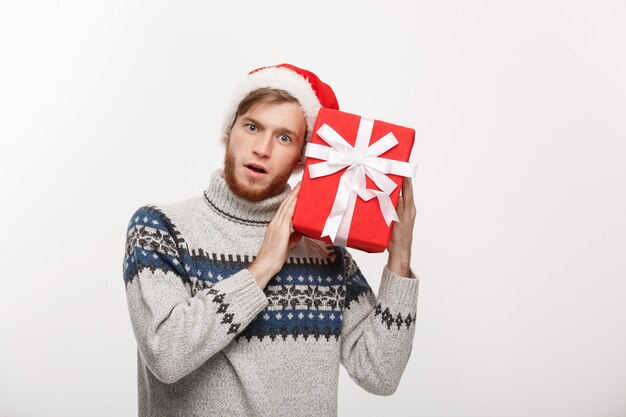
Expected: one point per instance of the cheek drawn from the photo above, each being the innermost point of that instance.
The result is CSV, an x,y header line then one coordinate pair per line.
x,y
235,146
293,158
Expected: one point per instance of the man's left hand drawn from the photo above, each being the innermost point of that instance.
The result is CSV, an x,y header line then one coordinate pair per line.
x,y
399,248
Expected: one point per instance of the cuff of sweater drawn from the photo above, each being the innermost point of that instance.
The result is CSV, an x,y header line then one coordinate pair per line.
x,y
243,293
398,290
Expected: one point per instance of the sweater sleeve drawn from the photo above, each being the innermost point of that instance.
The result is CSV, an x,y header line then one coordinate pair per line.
x,y
177,332
377,334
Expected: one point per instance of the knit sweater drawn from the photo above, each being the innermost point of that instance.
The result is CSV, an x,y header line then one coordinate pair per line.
x,y
212,342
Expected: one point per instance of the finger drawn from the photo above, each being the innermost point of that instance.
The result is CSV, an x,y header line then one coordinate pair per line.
x,y
279,213
295,191
290,209
292,198
407,190
293,195
287,207
287,201
400,207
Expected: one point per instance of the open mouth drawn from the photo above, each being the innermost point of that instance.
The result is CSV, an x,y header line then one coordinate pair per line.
x,y
256,168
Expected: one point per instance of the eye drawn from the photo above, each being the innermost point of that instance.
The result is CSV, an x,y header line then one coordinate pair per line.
x,y
251,127
284,139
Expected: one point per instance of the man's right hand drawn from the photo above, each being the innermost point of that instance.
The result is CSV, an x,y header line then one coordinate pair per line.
x,y
277,243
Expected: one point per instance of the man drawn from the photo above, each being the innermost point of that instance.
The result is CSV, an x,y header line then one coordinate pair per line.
x,y
236,315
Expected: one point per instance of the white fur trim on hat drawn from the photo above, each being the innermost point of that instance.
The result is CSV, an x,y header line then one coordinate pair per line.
x,y
279,78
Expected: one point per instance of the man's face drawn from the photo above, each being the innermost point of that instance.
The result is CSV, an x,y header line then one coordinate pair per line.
x,y
264,147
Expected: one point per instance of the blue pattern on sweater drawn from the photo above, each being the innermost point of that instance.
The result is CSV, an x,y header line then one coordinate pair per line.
x,y
307,297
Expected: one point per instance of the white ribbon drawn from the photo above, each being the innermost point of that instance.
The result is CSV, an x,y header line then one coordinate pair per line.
x,y
362,160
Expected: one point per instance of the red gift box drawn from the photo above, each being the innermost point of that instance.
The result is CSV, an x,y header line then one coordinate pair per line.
x,y
367,229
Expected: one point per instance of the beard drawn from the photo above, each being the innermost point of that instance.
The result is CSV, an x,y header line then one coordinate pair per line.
x,y
275,187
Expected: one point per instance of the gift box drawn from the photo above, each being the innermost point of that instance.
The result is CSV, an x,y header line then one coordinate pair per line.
x,y
352,180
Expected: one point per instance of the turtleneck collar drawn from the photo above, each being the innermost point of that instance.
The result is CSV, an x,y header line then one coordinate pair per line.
x,y
221,198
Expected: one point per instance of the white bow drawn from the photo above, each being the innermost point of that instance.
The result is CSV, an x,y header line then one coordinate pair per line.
x,y
361,160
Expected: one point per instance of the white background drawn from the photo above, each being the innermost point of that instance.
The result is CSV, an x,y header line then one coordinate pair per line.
x,y
520,113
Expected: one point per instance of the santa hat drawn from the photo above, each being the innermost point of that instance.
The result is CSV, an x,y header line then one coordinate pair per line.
x,y
311,93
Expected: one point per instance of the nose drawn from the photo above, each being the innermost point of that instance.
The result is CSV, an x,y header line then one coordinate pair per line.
x,y
263,146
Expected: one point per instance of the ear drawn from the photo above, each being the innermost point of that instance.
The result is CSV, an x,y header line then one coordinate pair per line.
x,y
226,138
302,158
299,166
228,132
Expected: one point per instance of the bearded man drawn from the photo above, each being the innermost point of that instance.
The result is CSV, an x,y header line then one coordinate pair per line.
x,y
235,314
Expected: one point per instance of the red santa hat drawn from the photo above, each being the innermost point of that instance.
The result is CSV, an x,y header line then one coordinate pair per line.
x,y
306,87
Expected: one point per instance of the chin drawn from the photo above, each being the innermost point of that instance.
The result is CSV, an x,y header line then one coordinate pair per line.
x,y
253,192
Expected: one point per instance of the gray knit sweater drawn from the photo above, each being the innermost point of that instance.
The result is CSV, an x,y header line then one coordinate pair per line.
x,y
211,342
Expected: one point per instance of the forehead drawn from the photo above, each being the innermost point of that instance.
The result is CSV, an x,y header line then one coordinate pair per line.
x,y
286,115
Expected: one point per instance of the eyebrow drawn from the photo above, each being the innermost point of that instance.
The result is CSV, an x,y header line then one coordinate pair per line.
x,y
256,122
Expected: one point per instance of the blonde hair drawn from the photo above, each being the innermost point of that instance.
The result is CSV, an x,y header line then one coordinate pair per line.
x,y
260,96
